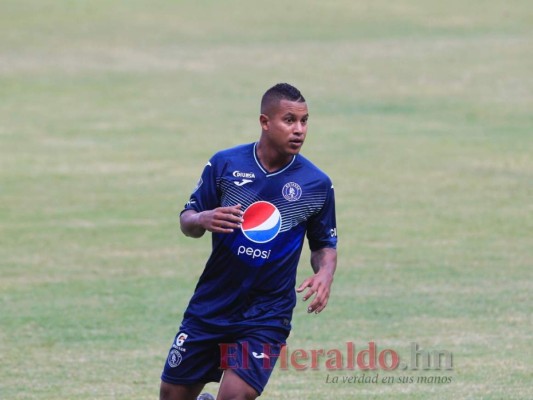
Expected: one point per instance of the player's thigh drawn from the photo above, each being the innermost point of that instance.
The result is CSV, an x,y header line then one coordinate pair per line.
x,y
234,387
251,359
169,391
194,358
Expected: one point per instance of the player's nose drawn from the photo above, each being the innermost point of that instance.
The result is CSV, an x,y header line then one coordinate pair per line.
x,y
299,129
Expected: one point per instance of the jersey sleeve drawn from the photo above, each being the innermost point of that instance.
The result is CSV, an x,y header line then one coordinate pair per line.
x,y
205,195
322,227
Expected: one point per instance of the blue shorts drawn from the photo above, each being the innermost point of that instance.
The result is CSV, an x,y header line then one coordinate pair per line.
x,y
200,356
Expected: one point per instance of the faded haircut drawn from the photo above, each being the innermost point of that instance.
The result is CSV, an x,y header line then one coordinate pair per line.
x,y
281,91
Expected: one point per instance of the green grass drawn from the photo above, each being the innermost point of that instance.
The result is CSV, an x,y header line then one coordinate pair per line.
x,y
420,113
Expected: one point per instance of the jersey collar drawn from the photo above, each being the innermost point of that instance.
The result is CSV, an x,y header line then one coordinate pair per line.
x,y
268,174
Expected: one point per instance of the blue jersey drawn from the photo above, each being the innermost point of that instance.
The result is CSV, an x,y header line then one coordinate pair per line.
x,y
249,279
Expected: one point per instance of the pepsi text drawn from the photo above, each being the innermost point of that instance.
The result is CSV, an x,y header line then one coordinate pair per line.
x,y
254,253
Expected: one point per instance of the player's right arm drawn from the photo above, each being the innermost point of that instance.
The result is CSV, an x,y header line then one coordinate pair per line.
x,y
218,220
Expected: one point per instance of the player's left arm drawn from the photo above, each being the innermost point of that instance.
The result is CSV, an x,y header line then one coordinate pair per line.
x,y
324,263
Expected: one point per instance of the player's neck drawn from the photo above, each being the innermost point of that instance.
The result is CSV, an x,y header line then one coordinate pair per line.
x,y
270,159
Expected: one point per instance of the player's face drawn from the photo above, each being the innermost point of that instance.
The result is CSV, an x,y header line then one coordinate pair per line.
x,y
285,127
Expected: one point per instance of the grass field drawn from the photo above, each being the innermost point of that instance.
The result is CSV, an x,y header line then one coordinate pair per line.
x,y
421,113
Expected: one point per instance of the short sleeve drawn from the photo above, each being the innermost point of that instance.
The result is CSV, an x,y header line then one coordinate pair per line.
x,y
205,195
322,227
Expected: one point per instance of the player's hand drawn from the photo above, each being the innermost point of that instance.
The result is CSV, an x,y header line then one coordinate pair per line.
x,y
221,219
318,285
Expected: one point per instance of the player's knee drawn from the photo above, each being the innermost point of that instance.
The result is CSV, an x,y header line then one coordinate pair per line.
x,y
249,394
168,391
234,388
252,395
165,392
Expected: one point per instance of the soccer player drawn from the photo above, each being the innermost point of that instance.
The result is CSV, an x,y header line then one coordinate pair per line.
x,y
259,201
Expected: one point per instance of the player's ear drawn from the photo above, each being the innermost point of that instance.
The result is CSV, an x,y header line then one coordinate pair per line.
x,y
263,120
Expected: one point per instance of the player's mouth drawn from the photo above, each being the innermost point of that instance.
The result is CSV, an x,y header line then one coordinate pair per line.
x,y
296,143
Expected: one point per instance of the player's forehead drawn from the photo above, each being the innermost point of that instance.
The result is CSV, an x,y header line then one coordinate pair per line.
x,y
297,108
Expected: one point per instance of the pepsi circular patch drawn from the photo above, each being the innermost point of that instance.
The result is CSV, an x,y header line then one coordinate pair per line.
x,y
262,222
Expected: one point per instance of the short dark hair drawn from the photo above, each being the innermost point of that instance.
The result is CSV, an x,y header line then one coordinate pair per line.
x,y
281,91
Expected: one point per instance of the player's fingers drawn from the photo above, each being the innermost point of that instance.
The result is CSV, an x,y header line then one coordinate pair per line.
x,y
235,219
222,230
227,215
308,294
231,225
318,310
233,210
223,226
315,307
306,283
320,301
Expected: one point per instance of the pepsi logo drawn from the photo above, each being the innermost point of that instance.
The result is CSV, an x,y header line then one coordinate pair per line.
x,y
262,222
